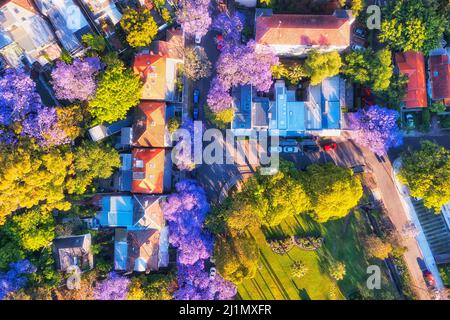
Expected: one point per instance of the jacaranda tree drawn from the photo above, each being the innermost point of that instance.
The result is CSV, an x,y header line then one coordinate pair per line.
x,y
230,26
114,287
15,278
76,81
194,16
376,128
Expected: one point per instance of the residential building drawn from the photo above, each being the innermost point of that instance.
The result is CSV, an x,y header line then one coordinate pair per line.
x,y
412,65
25,35
151,171
159,69
440,76
313,110
296,35
68,22
141,236
150,125
247,3
73,251
105,14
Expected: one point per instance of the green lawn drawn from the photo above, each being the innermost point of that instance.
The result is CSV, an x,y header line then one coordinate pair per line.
x,y
273,280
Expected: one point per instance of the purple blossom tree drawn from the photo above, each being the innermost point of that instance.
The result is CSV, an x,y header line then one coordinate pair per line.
x,y
230,26
76,81
195,283
376,128
240,65
185,212
15,278
18,96
42,125
114,287
194,16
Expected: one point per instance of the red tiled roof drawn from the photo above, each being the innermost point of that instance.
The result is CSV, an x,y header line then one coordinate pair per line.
x,y
26,4
148,170
440,77
412,64
149,128
152,70
290,29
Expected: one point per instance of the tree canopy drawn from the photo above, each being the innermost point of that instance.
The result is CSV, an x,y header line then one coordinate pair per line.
x,y
413,25
322,65
119,89
197,64
427,173
139,26
334,191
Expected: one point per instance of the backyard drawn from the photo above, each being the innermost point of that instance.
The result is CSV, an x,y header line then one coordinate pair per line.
x,y
342,242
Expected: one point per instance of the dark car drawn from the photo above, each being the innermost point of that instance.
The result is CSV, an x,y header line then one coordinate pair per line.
x,y
195,113
310,148
360,32
196,96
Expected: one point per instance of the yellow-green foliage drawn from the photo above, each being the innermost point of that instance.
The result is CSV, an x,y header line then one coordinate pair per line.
x,y
221,119
139,27
118,90
322,65
334,191
427,172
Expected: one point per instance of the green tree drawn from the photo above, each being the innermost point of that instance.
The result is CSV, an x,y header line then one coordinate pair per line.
x,y
221,119
296,73
438,107
70,120
337,270
92,161
29,177
139,26
278,196
279,71
118,90
334,191
173,124
95,42
299,269
322,65
413,25
377,248
236,257
166,15
32,229
366,67
427,173
197,64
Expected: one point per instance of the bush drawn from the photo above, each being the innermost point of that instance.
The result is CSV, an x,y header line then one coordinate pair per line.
x,y
298,269
283,246
173,124
337,271
445,121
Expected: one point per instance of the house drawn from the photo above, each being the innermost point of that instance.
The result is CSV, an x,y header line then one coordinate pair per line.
x,y
140,237
315,110
68,22
159,69
24,34
247,3
105,14
412,65
150,125
440,76
73,251
151,170
295,35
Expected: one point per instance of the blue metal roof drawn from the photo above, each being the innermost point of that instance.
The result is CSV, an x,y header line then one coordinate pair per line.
x,y
117,211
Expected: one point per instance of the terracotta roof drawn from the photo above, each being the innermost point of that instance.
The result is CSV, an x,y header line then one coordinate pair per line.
x,y
26,4
148,170
149,128
152,70
290,29
440,77
412,64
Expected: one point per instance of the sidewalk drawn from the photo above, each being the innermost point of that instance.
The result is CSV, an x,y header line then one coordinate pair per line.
x,y
412,216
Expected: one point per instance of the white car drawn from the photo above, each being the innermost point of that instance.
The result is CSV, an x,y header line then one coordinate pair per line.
x,y
276,149
198,39
290,149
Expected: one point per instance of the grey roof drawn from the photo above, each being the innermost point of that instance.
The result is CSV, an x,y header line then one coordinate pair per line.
x,y
73,250
260,108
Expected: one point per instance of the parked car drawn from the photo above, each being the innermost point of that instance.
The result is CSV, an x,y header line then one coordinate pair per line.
x,y
429,279
329,147
195,113
196,96
360,32
310,148
275,149
219,41
357,47
290,149
198,39
410,121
